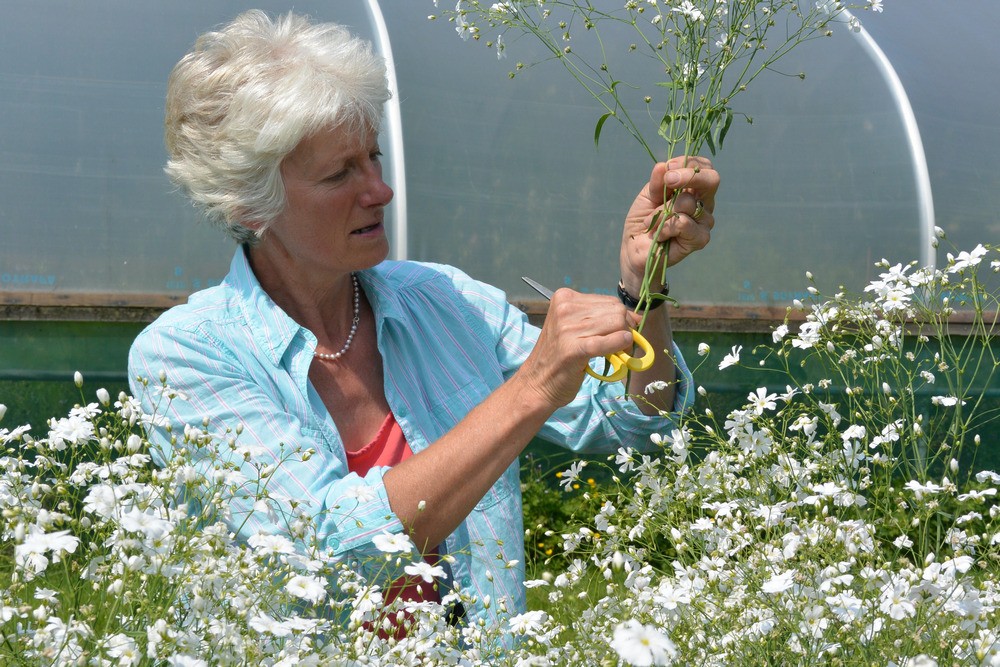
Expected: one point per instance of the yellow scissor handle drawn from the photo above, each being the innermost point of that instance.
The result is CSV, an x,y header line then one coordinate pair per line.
x,y
622,362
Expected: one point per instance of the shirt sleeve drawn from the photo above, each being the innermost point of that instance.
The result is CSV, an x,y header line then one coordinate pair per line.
x,y
312,496
602,417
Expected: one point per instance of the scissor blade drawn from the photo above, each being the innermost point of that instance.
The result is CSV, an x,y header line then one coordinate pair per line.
x,y
538,287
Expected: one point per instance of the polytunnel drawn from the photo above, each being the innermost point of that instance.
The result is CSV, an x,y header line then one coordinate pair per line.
x,y
890,132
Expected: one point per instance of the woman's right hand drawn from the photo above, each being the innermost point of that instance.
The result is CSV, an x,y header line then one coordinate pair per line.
x,y
578,327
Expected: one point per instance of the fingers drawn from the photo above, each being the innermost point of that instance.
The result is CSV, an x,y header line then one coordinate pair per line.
x,y
578,327
690,174
590,325
694,209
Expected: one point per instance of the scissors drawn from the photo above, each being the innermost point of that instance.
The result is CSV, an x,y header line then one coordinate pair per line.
x,y
621,362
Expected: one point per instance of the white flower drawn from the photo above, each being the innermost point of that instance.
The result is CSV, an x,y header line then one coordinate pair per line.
x,y
790,393
688,9
572,474
853,432
779,583
703,349
761,400
902,542
307,587
732,358
462,27
31,554
181,660
147,523
945,401
976,494
266,624
73,430
425,571
123,648
987,476
271,545
642,645
46,595
361,492
895,601
966,260
845,607
779,333
624,460
392,543
922,660
657,385
102,500
809,335
831,411
919,489
529,623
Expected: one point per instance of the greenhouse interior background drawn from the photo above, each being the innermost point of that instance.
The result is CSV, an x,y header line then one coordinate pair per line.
x,y
891,132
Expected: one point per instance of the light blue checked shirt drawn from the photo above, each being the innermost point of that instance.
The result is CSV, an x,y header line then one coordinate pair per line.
x,y
447,342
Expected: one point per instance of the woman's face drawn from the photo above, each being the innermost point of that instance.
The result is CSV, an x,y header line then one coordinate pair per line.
x,y
336,198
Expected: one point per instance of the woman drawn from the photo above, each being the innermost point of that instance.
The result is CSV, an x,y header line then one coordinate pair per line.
x,y
415,386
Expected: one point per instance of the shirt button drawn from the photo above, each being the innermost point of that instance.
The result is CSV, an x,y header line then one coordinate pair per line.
x,y
466,581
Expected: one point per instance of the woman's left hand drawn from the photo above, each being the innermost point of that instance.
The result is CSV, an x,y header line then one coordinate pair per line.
x,y
688,229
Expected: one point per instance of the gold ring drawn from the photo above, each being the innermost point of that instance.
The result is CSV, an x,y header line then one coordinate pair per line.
x,y
699,210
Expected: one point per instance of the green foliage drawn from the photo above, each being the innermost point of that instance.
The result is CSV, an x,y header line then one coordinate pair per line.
x,y
550,511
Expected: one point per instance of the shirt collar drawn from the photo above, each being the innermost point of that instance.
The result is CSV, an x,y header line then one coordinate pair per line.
x,y
272,328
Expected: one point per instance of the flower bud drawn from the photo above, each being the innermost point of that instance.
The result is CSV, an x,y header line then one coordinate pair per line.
x,y
103,396
3,411
78,379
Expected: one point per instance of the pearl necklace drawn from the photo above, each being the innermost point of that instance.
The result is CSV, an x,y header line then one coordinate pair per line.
x,y
354,326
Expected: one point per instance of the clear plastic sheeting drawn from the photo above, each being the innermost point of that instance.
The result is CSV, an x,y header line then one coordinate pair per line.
x,y
84,204
502,176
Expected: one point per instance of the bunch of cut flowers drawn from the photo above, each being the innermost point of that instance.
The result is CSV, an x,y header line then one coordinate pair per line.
x,y
705,54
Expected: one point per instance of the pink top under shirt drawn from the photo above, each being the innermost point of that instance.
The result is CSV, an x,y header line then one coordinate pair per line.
x,y
387,449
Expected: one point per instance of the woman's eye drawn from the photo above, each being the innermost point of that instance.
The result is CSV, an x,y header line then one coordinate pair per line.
x,y
375,156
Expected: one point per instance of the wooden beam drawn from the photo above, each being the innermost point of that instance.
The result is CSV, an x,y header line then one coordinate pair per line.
x,y
141,308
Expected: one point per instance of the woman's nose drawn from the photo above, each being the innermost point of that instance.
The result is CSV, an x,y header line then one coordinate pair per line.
x,y
377,192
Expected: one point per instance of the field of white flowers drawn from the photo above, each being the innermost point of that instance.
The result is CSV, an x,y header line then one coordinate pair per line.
x,y
838,517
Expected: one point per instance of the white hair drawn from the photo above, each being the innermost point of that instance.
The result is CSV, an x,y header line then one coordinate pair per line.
x,y
247,94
